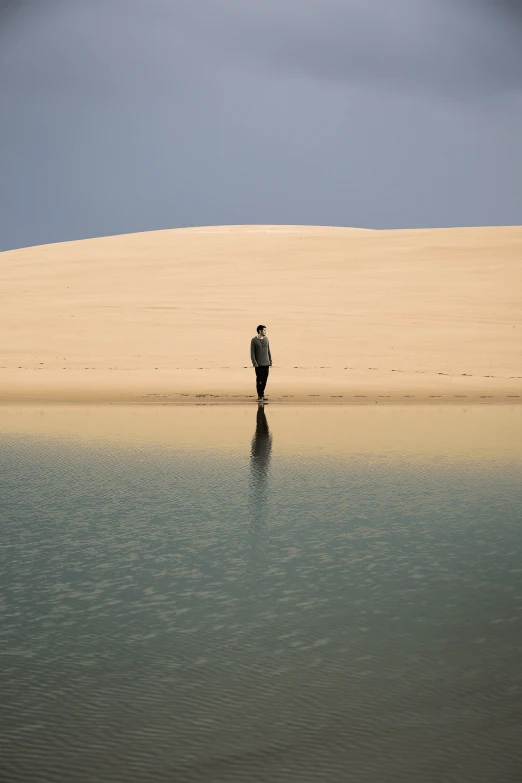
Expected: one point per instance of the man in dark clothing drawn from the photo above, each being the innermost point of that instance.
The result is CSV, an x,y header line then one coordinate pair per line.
x,y
261,359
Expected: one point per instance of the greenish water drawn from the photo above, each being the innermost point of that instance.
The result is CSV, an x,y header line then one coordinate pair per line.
x,y
177,614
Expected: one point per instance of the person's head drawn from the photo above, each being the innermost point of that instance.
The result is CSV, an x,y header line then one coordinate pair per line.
x,y
261,330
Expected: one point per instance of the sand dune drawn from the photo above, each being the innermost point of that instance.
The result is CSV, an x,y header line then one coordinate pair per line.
x,y
353,316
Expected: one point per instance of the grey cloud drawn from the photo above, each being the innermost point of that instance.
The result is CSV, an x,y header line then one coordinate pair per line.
x,y
513,8
455,48
132,115
7,8
445,46
89,50
13,13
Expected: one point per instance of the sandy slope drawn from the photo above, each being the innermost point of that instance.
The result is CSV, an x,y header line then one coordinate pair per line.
x,y
352,316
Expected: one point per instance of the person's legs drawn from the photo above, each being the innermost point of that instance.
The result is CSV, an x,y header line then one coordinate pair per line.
x,y
259,380
264,379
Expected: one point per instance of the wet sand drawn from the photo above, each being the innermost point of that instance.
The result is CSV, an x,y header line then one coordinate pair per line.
x,y
353,316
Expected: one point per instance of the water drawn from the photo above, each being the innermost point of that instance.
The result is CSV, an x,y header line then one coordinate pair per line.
x,y
248,612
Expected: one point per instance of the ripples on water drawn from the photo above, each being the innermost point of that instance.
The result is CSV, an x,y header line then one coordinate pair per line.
x,y
170,615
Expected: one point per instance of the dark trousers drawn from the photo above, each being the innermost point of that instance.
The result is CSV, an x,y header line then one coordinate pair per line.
x,y
261,379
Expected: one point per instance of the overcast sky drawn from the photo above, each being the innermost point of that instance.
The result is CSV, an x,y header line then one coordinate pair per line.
x,y
133,115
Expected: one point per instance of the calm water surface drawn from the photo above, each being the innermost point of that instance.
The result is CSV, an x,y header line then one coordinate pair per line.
x,y
201,614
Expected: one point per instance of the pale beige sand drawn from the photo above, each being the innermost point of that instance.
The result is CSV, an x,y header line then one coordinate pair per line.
x,y
353,316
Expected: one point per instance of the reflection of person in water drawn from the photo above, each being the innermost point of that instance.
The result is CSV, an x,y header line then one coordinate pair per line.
x,y
261,446
259,467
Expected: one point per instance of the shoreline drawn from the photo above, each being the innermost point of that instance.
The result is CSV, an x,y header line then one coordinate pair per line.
x,y
237,387
315,399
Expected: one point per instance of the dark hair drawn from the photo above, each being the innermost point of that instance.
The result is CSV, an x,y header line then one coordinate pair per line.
x,y
260,328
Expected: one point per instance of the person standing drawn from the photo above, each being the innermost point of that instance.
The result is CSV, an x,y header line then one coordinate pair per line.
x,y
261,360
